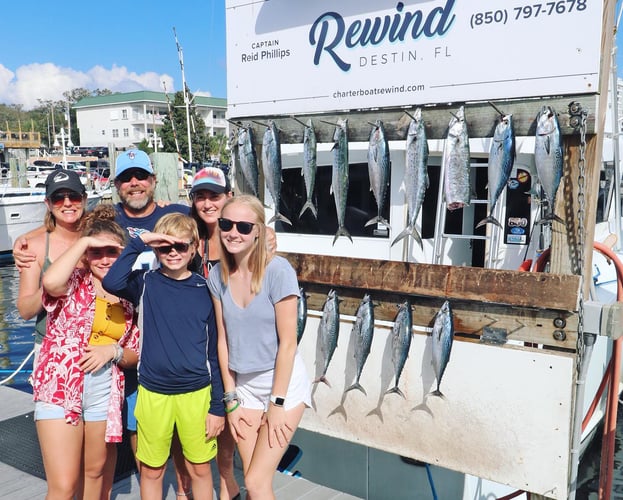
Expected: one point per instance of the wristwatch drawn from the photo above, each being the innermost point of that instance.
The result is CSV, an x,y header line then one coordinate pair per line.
x,y
277,401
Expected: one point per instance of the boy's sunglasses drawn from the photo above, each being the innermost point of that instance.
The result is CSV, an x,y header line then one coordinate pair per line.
x,y
178,247
138,173
242,227
58,199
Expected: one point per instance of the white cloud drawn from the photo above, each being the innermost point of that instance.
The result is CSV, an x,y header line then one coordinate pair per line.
x,y
48,82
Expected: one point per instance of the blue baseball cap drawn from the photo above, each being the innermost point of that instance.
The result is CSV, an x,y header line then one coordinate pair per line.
x,y
133,158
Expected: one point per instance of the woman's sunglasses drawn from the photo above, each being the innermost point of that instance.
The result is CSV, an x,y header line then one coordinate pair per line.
x,y
58,199
101,252
138,173
178,247
242,227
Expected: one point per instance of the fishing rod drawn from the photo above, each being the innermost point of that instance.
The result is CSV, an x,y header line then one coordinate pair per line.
x,y
180,54
177,145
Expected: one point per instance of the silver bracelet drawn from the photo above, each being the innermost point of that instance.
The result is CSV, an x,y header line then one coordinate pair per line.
x,y
230,397
118,357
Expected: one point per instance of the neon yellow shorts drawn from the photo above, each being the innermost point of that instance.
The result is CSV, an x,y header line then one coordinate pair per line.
x,y
158,414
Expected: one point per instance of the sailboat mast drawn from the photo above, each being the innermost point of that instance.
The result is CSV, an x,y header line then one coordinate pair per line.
x,y
186,99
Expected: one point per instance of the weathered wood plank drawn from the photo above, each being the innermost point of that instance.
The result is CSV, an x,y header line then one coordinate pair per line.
x,y
481,120
488,286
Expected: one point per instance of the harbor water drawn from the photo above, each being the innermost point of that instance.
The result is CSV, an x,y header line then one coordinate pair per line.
x,y
16,343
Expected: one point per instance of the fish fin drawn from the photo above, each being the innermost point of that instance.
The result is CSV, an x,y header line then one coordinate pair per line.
x,y
409,231
309,206
356,385
280,217
438,393
376,219
395,390
322,378
547,144
488,220
342,231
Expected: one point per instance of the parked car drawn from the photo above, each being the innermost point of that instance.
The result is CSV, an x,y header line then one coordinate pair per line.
x,y
37,173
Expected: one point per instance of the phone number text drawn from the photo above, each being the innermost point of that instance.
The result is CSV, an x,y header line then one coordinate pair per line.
x,y
524,12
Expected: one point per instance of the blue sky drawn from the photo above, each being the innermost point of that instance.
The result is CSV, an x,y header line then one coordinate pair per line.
x,y
51,47
54,46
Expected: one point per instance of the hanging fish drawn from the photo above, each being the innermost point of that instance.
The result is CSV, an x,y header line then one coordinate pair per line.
x,y
339,177
501,161
416,175
401,341
301,314
443,335
328,331
309,166
271,166
248,157
548,158
363,329
378,169
456,163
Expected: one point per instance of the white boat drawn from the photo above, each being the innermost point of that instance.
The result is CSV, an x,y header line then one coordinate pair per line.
x,y
23,209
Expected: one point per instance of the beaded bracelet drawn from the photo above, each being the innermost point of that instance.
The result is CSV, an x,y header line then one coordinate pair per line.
x,y
118,354
229,410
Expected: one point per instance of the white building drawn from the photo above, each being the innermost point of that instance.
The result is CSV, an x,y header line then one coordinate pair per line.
x,y
125,119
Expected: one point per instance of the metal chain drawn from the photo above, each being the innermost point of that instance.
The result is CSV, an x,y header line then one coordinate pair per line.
x,y
578,120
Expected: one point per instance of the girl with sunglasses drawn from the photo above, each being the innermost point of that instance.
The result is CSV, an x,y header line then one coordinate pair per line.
x,y
65,199
78,385
180,386
264,378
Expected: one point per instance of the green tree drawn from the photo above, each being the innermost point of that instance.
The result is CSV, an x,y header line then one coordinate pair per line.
x,y
175,127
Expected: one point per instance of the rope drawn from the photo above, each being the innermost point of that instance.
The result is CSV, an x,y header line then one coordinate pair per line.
x,y
18,369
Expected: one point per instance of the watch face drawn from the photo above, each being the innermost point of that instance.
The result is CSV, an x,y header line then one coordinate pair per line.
x,y
278,401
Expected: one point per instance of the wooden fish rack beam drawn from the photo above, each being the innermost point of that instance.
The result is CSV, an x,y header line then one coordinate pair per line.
x,y
524,304
481,120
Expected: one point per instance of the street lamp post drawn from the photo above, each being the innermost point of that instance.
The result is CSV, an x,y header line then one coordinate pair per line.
x,y
56,145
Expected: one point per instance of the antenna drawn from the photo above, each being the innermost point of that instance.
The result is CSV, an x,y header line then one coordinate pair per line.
x,y
180,54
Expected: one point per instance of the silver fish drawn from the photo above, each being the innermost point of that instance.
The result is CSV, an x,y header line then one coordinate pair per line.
x,y
309,166
301,315
456,163
416,175
548,157
248,157
271,166
501,161
363,329
339,177
378,169
401,341
443,335
328,331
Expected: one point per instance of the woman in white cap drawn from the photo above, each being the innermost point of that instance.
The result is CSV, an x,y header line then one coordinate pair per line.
x,y
65,198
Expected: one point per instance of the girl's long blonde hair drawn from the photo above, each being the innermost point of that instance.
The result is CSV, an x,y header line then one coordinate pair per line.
x,y
259,256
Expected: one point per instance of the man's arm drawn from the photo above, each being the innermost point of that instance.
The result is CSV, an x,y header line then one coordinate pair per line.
x,y
22,255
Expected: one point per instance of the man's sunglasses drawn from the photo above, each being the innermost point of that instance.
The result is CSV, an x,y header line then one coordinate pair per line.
x,y
178,247
58,199
138,173
242,227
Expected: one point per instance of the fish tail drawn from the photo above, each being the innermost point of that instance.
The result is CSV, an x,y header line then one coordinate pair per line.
x,y
322,378
549,218
377,219
280,217
438,393
342,231
356,385
395,390
488,220
309,206
409,231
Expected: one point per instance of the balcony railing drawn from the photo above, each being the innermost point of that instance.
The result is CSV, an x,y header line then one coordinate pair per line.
x,y
20,139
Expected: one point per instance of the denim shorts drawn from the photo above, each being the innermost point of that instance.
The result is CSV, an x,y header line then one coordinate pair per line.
x,y
95,398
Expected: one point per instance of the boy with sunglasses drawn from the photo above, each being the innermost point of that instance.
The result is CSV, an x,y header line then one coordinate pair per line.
x,y
180,384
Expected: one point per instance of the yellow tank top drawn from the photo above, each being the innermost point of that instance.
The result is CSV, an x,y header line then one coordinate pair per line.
x,y
108,324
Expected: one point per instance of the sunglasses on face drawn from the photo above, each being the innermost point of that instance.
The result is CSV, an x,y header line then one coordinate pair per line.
x,y
138,173
58,199
178,247
242,227
100,253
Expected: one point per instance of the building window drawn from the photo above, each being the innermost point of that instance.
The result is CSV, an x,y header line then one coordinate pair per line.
x,y
126,132
103,132
124,114
115,133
